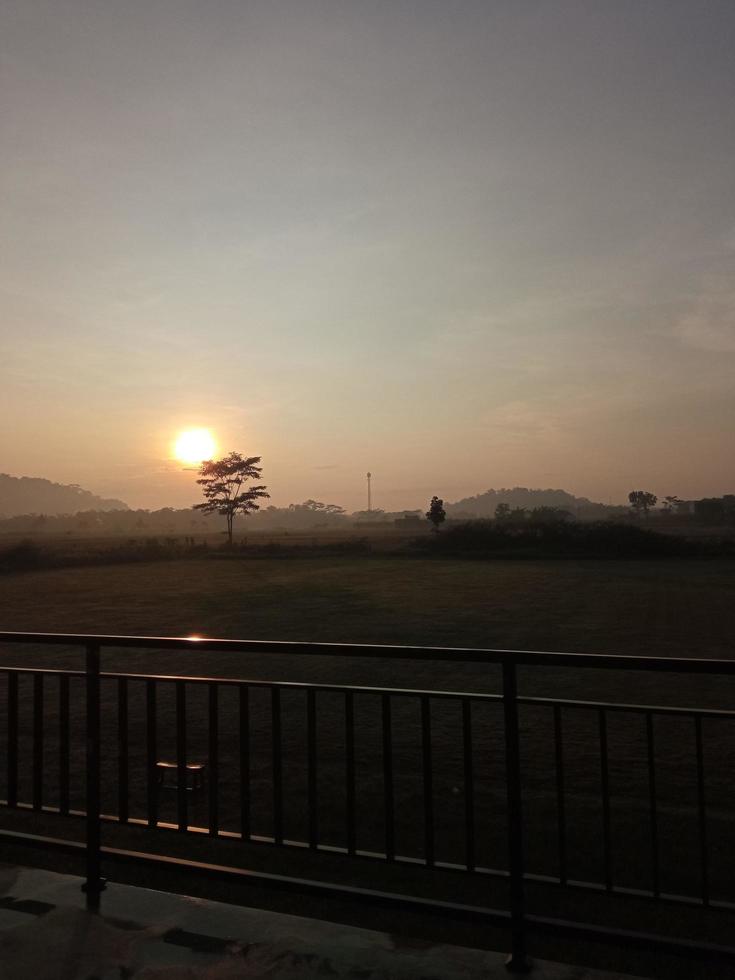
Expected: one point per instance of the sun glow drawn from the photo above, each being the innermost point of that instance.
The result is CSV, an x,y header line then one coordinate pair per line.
x,y
194,445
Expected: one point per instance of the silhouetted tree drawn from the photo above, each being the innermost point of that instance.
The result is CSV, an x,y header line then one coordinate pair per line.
x,y
436,513
502,512
716,510
317,507
669,503
641,501
223,483
549,515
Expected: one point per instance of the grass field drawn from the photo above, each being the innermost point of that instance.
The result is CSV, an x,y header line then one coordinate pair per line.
x,y
675,608
678,608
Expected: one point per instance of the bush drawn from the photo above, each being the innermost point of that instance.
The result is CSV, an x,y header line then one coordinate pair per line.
x,y
286,549
22,557
560,539
27,556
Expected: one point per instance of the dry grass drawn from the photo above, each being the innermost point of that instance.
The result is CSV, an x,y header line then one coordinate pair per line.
x,y
678,607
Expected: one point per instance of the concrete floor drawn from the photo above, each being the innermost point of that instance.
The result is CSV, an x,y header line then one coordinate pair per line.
x,y
46,934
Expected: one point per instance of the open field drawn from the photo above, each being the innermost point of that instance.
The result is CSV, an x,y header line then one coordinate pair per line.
x,y
680,607
677,608
378,537
92,546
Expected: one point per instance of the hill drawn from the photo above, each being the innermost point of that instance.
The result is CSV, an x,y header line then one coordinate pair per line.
x,y
33,495
484,504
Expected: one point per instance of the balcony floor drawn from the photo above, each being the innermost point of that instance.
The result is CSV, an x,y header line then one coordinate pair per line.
x,y
46,934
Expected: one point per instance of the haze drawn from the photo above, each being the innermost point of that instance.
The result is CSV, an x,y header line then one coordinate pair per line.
x,y
460,245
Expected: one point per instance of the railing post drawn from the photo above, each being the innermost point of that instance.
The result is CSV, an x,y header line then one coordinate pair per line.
x,y
517,961
94,884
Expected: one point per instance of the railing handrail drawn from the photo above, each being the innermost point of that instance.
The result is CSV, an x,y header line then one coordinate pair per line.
x,y
508,662
428,692
521,658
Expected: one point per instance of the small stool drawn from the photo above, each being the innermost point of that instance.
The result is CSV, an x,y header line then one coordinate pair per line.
x,y
168,775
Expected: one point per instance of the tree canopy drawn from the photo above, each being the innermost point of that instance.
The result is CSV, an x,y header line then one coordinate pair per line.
x,y
641,501
436,514
224,486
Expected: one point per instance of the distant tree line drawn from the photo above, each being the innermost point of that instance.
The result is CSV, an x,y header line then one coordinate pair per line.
x,y
524,499
513,516
311,514
709,511
716,510
518,505
561,539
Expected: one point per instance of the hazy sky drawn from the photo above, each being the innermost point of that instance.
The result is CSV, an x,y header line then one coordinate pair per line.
x,y
460,244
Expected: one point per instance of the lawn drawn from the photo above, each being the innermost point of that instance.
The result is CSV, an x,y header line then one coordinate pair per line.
x,y
676,607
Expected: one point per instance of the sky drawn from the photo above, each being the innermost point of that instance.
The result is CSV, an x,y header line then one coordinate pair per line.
x,y
461,245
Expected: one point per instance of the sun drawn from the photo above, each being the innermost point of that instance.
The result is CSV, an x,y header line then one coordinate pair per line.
x,y
194,445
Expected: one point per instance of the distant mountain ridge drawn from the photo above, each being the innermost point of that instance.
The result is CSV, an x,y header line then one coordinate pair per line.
x,y
34,495
484,504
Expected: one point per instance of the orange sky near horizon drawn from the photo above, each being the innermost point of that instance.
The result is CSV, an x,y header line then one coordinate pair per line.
x,y
493,245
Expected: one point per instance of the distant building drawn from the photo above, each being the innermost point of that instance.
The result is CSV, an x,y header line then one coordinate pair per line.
x,y
716,510
409,522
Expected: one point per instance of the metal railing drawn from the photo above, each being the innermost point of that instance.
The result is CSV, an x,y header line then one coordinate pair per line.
x,y
507,702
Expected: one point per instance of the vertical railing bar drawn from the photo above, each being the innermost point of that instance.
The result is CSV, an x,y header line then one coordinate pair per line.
x,y
350,771
469,784
653,806
244,712
605,784
560,797
277,765
517,962
428,781
213,784
388,793
182,775
94,884
64,731
12,739
122,750
311,767
514,787
701,805
37,741
151,752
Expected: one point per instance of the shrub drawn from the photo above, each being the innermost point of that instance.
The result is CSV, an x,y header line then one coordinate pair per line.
x,y
22,557
561,539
